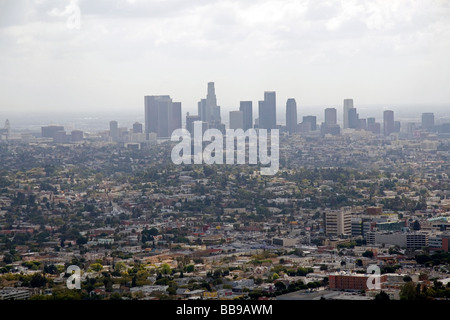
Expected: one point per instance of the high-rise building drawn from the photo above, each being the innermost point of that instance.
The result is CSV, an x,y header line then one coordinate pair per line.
x,y
201,107
236,120
373,126
114,130
338,222
190,119
137,127
247,109
427,120
362,124
291,115
312,120
348,104
76,135
49,131
161,116
327,128
60,137
208,110
353,119
267,111
388,122
212,110
176,117
397,126
330,116
8,127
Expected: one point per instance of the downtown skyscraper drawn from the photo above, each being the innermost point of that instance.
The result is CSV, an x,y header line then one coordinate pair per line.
x,y
247,110
267,111
348,104
331,116
388,122
291,116
208,110
162,115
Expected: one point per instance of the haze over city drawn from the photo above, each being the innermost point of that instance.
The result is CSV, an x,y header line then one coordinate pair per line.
x,y
382,54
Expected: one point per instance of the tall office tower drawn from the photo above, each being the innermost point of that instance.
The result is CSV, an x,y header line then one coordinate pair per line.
x,y
176,117
397,126
353,119
291,116
338,222
7,127
113,130
373,126
410,128
427,120
137,127
268,111
201,109
190,119
330,116
236,120
261,115
312,120
247,109
348,104
211,104
160,115
208,110
388,122
362,124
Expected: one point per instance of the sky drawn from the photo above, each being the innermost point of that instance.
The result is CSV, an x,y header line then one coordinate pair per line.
x,y
105,55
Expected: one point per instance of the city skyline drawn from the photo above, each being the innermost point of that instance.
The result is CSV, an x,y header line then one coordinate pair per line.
x,y
377,54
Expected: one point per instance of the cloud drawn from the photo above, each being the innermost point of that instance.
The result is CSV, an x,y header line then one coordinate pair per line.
x,y
153,44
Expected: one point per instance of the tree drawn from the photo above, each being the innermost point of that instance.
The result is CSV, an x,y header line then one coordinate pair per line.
x,y
280,286
382,296
165,269
37,280
368,254
97,267
189,268
408,291
8,258
422,258
416,225
407,278
115,296
82,240
148,234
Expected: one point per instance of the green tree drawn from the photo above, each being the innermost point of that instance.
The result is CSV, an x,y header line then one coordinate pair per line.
x,y
165,269
37,280
97,267
408,291
382,296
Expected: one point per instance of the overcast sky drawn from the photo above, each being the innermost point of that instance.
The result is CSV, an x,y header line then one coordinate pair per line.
x,y
318,52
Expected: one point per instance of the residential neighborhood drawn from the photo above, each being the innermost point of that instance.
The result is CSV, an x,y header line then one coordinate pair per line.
x,y
139,227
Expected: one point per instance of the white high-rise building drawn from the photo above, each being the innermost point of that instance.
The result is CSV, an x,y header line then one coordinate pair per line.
x,y
348,104
338,222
